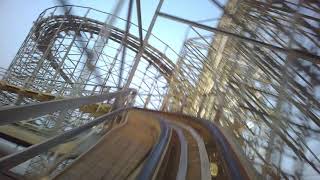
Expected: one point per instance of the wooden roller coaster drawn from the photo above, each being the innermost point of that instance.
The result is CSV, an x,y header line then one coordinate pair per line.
x,y
91,99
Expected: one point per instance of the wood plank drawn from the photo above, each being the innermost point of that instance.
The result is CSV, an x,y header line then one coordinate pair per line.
x,y
118,153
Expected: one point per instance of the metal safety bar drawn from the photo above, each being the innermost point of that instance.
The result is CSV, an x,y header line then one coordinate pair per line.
x,y
12,160
13,114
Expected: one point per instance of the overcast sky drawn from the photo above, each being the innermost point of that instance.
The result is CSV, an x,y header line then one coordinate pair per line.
x,y
17,16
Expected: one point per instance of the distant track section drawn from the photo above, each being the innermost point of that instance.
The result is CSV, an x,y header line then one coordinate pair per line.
x,y
46,28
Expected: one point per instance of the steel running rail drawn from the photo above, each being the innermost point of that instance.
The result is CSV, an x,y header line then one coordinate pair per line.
x,y
183,159
235,165
203,157
236,169
152,162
